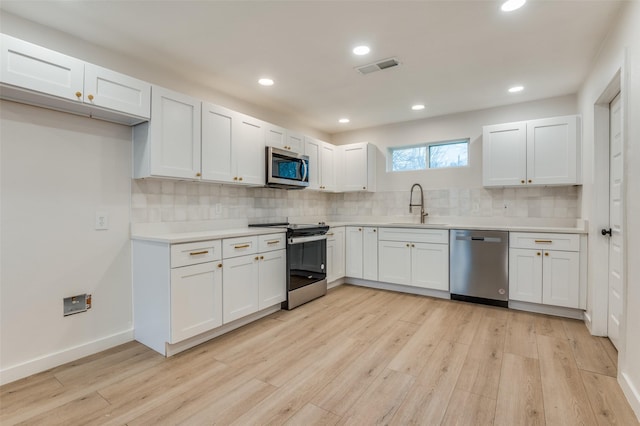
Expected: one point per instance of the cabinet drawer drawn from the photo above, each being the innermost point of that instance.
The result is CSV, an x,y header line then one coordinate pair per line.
x,y
232,247
194,253
272,242
437,236
526,240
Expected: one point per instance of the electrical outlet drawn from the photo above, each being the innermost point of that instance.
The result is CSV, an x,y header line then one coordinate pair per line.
x,y
102,221
76,304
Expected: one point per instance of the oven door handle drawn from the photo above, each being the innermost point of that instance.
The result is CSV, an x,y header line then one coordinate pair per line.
x,y
300,240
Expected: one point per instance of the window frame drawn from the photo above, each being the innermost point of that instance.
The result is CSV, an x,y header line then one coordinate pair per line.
x,y
427,146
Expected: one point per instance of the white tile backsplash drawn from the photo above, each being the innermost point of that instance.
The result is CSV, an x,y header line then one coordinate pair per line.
x,y
156,201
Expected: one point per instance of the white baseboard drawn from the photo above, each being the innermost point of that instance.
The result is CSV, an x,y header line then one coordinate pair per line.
x,y
558,311
399,288
335,283
55,359
631,392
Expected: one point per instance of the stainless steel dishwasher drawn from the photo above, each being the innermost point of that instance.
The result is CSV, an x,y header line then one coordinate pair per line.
x,y
479,266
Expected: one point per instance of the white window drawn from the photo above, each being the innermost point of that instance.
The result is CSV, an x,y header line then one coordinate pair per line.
x,y
434,155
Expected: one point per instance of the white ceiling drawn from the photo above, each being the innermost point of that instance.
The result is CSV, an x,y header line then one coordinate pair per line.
x,y
455,55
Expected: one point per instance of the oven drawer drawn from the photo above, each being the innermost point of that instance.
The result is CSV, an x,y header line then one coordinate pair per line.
x,y
194,253
272,242
232,247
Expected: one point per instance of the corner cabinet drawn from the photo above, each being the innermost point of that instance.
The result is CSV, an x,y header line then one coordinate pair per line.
x,y
38,76
535,152
359,167
545,269
169,144
414,257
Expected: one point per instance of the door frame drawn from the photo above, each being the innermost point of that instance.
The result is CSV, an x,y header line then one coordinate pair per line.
x,y
596,317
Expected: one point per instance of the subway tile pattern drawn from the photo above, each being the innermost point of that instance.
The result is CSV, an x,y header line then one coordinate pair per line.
x,y
156,201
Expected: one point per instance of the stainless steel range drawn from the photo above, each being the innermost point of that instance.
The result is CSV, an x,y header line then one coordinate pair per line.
x,y
306,262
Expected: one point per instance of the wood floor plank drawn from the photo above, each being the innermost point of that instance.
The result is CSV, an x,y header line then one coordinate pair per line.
x,y
339,395
521,335
72,413
464,323
382,398
610,350
418,309
520,399
467,408
565,399
607,400
589,354
547,325
311,415
434,386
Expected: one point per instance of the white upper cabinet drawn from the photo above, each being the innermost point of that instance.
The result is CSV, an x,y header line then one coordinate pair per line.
x,y
115,91
35,75
248,151
312,150
169,144
282,138
322,164
358,167
217,143
295,142
535,152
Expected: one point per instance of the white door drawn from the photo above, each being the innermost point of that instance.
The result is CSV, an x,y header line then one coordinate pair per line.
x,y
328,167
504,154
525,275
552,151
394,262
354,252
561,278
248,150
217,143
115,91
275,136
273,278
616,294
312,150
240,291
355,167
295,142
430,266
370,254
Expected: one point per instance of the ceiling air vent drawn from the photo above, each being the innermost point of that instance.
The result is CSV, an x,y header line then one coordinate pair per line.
x,y
377,66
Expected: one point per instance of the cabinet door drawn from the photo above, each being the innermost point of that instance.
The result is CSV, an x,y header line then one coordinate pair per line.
x,y
504,154
240,294
561,278
370,254
115,91
196,300
295,142
32,67
175,135
394,264
248,151
331,255
275,136
430,266
552,156
335,254
217,144
327,167
355,167
354,251
525,275
273,278
312,150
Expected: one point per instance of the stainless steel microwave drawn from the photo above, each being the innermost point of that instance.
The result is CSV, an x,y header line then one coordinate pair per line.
x,y
286,169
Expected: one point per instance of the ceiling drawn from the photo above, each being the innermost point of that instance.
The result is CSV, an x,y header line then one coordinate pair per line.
x,y
455,55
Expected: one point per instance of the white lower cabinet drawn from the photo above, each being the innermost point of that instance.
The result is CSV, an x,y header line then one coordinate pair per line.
x,y
240,292
414,257
272,282
196,300
540,273
362,252
336,253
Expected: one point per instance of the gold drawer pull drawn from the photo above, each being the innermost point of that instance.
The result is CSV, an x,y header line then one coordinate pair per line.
x,y
273,242
543,241
330,234
243,246
196,253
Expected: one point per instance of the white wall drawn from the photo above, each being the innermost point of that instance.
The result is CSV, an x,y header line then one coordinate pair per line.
x,y
620,53
57,171
449,127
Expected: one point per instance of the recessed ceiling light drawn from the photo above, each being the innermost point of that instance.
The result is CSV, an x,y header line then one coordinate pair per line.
x,y
343,120
511,5
266,82
516,89
417,107
361,50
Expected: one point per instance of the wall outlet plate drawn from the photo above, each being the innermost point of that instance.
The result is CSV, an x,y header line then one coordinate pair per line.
x,y
76,304
102,221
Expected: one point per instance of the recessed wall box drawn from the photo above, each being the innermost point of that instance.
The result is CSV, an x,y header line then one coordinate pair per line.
x,y
76,304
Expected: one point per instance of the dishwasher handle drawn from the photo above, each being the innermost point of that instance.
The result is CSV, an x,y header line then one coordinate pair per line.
x,y
483,239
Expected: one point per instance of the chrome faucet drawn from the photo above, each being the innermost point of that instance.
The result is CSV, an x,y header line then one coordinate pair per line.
x,y
422,213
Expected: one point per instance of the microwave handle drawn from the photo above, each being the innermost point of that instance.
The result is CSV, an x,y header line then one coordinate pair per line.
x,y
304,173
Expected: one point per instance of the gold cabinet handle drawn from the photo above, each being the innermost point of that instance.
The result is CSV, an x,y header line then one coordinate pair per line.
x,y
522,181
543,241
78,94
375,230
261,257
242,246
546,254
330,234
408,245
197,253
90,97
273,242
240,178
198,174
219,265
257,258
413,245
538,253
530,181
235,178
364,187
359,229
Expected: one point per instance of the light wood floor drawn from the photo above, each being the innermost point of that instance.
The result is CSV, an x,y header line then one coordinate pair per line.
x,y
357,356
